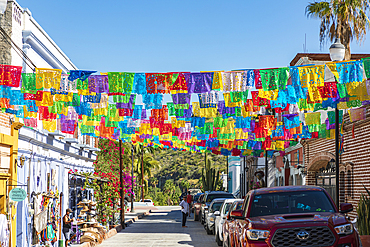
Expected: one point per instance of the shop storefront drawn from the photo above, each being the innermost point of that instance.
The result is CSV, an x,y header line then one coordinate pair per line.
x,y
49,192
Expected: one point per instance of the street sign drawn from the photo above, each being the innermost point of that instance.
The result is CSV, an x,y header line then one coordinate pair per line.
x,y
17,194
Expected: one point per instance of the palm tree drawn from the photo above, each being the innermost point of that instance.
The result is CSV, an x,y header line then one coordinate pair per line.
x,y
342,19
169,189
144,155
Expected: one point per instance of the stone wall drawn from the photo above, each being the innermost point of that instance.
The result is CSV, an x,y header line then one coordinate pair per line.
x,y
6,25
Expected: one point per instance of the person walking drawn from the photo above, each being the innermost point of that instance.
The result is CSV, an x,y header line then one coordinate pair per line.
x,y
184,209
189,200
67,231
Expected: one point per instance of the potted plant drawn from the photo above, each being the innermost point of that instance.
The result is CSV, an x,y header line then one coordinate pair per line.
x,y
363,220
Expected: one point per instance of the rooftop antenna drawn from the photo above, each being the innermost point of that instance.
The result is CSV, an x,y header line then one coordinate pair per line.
x,y
305,45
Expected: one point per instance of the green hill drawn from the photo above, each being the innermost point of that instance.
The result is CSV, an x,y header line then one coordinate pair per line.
x,y
183,166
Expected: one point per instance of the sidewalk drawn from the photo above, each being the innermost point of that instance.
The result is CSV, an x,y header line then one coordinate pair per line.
x,y
140,211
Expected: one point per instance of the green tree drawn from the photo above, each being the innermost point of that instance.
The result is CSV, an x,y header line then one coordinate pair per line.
x,y
343,19
144,169
144,158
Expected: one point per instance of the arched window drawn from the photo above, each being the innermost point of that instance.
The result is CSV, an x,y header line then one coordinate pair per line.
x,y
349,183
342,184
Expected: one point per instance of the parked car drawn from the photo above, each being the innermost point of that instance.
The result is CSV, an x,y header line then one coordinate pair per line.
x,y
195,199
196,206
229,226
148,202
210,217
208,198
292,216
221,217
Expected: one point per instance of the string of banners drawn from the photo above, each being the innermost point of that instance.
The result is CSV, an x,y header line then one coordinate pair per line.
x,y
239,113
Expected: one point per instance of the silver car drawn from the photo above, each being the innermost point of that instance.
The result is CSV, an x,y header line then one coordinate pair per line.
x,y
220,219
213,210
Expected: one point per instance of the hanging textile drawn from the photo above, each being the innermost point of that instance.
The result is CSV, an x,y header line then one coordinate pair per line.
x,y
311,76
350,71
98,84
120,82
178,83
139,85
313,118
79,74
10,75
28,83
153,101
273,79
48,78
234,81
158,83
199,82
357,114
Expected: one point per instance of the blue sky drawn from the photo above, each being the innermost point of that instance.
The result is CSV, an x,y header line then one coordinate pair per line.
x,y
165,36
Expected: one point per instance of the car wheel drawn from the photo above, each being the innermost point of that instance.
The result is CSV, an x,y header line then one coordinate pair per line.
x,y
209,232
218,240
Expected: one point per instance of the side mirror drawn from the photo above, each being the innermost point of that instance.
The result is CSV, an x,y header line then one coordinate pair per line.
x,y
228,217
217,213
237,214
345,208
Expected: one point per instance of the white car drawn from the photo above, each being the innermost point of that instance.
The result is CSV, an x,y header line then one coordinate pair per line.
x,y
148,202
220,219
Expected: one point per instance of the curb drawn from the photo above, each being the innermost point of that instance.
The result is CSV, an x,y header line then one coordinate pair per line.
x,y
117,229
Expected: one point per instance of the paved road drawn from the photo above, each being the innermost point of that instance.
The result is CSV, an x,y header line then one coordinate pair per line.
x,y
162,228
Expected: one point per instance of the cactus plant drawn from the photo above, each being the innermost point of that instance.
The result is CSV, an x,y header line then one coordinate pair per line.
x,y
363,212
210,176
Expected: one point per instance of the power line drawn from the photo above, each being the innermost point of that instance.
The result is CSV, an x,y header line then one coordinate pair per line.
x,y
18,50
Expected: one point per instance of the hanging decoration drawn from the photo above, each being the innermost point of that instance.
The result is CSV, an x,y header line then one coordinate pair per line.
x,y
238,112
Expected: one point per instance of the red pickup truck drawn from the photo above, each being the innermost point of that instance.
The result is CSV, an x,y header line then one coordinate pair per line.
x,y
291,216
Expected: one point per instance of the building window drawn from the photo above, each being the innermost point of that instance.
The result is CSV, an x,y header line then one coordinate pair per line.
x,y
349,183
298,179
342,183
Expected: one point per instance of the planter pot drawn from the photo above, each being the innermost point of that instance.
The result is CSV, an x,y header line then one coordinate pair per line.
x,y
365,239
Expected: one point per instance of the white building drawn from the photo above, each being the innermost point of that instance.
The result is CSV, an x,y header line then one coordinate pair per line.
x,y
44,159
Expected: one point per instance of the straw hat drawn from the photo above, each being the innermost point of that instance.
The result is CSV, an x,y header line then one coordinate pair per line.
x,y
83,202
85,209
86,238
89,229
82,214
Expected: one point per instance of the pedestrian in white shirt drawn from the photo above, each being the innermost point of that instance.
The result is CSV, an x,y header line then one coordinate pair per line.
x,y
184,209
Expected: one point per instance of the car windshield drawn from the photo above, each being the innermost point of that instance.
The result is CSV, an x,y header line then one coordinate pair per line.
x,y
227,208
216,206
290,202
196,197
214,196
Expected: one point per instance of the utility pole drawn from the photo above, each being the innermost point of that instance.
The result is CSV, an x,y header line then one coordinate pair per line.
x,y
142,174
121,186
227,173
337,156
266,168
132,181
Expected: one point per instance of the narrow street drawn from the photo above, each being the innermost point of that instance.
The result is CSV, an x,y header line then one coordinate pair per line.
x,y
162,228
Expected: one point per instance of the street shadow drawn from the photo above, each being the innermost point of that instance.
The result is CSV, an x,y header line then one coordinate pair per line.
x,y
163,222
